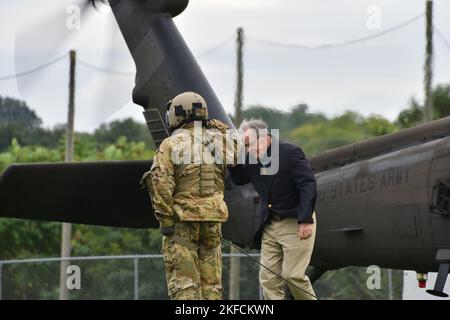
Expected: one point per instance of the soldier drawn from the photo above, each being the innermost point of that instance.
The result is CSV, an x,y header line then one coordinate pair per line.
x,y
187,198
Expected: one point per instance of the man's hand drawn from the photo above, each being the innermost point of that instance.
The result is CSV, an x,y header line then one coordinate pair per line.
x,y
167,231
305,230
167,226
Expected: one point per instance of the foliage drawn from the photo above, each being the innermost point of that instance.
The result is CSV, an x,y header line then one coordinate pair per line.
x,y
347,128
33,238
109,133
414,113
284,121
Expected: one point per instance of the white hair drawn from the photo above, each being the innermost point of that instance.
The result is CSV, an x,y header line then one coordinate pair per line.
x,y
254,124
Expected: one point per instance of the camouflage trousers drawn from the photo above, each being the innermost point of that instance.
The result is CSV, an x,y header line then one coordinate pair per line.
x,y
193,261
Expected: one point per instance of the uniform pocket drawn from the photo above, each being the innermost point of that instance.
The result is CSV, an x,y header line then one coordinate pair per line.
x,y
220,207
189,169
211,236
180,264
176,285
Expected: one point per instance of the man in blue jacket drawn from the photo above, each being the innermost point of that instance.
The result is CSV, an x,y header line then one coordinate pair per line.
x,y
286,185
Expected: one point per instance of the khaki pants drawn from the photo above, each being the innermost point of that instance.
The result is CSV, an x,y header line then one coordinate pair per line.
x,y
193,261
283,252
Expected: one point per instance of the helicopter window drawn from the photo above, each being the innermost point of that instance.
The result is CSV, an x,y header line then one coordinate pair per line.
x,y
440,203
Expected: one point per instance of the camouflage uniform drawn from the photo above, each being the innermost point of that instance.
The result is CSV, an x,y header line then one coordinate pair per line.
x,y
191,194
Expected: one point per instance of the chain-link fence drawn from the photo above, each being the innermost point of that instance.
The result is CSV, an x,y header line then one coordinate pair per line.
x,y
358,283
143,277
108,277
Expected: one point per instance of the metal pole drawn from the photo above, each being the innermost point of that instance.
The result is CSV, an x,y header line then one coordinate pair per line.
x,y
390,286
235,262
261,297
428,67
136,278
66,234
239,96
1,270
260,290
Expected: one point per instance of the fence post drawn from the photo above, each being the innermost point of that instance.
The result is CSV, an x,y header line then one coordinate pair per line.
x,y
136,278
260,290
1,268
390,285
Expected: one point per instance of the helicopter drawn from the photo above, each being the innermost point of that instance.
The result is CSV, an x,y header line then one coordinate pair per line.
x,y
384,201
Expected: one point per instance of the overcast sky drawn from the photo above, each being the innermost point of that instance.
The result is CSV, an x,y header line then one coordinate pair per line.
x,y
375,76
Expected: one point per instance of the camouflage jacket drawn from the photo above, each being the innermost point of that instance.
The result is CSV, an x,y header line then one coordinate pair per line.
x,y
187,175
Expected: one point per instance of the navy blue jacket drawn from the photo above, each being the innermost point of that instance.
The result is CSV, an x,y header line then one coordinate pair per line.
x,y
291,192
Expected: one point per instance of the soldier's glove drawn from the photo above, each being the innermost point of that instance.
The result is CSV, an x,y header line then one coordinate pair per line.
x,y
167,226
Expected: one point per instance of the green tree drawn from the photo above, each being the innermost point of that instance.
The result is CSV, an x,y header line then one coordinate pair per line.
x,y
376,125
22,238
441,101
350,127
274,118
109,133
16,111
411,116
284,121
414,113
16,121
